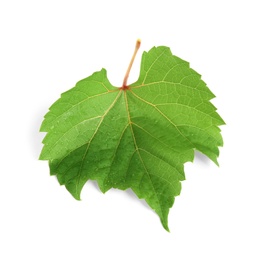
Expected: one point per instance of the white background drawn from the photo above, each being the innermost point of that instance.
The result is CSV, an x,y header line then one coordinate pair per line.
x,y
47,46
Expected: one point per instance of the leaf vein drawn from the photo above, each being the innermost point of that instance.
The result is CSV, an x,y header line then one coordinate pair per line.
x,y
88,145
158,57
137,149
168,119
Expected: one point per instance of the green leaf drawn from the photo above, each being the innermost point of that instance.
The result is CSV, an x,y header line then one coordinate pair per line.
x,y
138,136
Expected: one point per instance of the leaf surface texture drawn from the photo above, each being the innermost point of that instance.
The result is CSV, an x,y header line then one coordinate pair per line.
x,y
137,138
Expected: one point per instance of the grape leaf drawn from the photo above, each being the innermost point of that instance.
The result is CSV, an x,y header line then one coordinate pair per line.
x,y
137,136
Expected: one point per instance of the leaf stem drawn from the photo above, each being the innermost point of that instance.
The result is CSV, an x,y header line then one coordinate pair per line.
x,y
124,86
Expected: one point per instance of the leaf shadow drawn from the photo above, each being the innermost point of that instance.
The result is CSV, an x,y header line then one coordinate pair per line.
x,y
201,158
35,137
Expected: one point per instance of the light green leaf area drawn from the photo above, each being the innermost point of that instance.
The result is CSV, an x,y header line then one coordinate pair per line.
x,y
137,138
